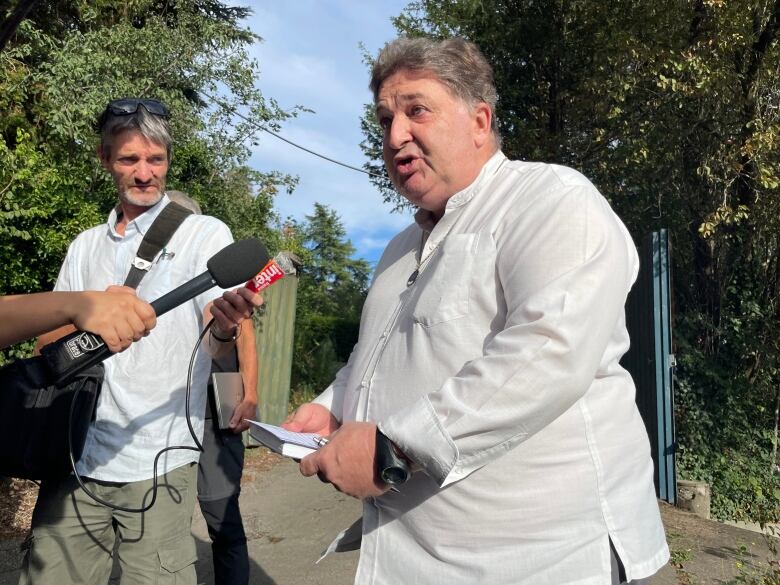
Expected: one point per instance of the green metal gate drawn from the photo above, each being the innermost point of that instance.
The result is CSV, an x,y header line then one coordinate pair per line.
x,y
650,359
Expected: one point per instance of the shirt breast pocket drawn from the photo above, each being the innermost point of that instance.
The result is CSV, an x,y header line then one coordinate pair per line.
x,y
444,288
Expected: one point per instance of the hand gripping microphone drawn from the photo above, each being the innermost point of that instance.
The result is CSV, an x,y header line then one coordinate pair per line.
x,y
231,266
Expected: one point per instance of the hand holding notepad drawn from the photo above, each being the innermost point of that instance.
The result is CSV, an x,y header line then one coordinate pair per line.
x,y
284,442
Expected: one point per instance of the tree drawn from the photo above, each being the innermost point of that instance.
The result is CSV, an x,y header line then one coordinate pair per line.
x,y
331,292
334,283
671,107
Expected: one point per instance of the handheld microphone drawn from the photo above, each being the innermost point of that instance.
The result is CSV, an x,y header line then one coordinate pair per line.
x,y
231,266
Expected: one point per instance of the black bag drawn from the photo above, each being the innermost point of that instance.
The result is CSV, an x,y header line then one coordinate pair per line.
x,y
35,415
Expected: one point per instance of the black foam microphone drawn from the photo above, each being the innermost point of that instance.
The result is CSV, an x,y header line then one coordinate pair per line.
x,y
231,266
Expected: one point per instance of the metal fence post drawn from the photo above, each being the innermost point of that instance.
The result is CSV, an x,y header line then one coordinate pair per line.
x,y
650,359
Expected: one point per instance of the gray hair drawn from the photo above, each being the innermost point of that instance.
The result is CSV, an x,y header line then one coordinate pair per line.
x,y
184,200
151,127
458,63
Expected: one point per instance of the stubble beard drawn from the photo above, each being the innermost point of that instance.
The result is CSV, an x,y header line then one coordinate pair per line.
x,y
131,199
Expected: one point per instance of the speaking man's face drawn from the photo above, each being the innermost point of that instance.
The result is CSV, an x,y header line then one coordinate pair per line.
x,y
138,166
431,138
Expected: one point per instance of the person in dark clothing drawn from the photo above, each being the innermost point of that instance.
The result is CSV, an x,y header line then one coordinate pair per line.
x,y
221,465
222,462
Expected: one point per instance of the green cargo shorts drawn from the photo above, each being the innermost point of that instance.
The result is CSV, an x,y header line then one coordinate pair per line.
x,y
73,536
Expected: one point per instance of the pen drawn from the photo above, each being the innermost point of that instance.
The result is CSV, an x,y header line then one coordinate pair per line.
x,y
322,441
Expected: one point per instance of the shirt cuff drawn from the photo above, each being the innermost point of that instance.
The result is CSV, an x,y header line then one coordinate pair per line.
x,y
418,433
325,399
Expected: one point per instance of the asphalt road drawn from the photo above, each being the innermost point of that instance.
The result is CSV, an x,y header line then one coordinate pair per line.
x,y
289,521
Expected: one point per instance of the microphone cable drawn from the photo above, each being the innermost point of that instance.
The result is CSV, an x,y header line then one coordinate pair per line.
x,y
197,447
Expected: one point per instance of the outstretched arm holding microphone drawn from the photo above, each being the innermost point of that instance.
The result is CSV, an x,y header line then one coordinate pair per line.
x,y
118,317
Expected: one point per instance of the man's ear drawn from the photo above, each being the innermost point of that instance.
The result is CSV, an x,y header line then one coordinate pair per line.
x,y
483,119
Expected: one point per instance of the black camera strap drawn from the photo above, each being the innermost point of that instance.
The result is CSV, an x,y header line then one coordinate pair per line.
x,y
156,238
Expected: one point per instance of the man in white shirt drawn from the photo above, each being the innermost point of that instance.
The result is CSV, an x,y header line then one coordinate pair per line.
x,y
141,408
488,359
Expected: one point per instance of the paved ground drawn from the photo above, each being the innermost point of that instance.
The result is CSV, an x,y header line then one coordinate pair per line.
x,y
290,520
708,552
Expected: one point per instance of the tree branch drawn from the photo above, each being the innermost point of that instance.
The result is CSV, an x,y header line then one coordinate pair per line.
x,y
759,48
8,28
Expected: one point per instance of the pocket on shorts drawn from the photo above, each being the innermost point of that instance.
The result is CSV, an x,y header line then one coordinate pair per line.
x,y
177,563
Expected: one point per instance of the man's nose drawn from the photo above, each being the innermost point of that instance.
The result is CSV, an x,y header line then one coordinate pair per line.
x,y
399,133
143,172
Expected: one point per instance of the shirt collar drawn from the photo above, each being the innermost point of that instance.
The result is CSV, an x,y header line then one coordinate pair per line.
x,y
424,218
141,223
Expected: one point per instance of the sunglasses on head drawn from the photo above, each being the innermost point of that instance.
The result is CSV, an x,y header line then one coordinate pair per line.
x,y
129,106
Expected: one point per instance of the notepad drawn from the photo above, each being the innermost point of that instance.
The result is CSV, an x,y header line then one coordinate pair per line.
x,y
282,441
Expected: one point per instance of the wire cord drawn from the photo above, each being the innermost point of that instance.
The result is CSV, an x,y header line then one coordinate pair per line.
x,y
233,110
198,446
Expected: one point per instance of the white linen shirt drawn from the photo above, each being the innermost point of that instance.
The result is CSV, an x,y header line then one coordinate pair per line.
x,y
141,408
497,372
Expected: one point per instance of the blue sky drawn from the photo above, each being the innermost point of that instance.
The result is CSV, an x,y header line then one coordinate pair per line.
x,y
310,56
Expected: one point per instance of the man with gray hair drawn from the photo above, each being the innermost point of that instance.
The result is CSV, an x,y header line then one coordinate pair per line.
x,y
483,416
141,409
